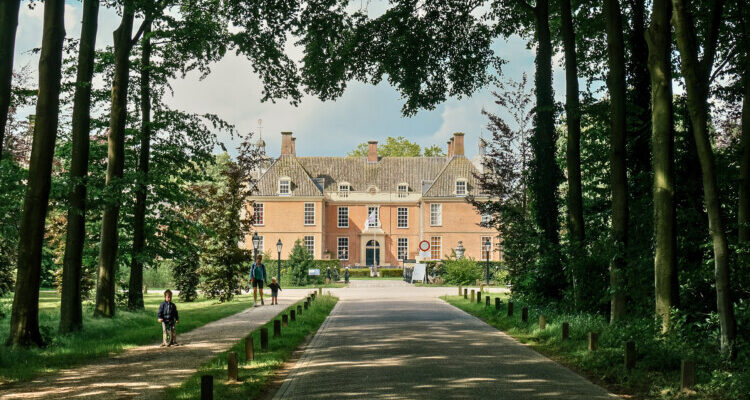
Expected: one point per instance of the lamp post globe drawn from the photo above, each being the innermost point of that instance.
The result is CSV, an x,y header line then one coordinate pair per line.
x,y
279,245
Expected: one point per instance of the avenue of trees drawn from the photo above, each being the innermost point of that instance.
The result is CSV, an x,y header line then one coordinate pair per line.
x,y
629,199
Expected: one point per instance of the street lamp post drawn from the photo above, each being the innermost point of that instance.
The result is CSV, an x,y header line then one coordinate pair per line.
x,y
256,243
488,248
278,267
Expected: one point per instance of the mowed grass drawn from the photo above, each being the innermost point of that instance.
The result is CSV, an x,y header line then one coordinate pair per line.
x,y
100,336
254,375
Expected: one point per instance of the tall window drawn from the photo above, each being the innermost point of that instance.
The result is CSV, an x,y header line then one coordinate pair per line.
x,y
309,213
343,217
343,248
403,248
403,190
436,247
486,239
344,190
461,188
376,221
261,244
258,213
436,214
485,218
403,217
284,187
310,244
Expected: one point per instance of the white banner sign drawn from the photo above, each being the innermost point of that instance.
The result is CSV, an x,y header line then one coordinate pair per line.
x,y
313,272
420,270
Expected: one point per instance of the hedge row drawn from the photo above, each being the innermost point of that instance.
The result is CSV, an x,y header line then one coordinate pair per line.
x,y
391,272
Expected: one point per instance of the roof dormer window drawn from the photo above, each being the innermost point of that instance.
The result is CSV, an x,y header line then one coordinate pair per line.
x,y
461,187
344,189
403,190
285,187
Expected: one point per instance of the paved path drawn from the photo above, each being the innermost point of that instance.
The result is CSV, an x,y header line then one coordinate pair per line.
x,y
144,372
385,340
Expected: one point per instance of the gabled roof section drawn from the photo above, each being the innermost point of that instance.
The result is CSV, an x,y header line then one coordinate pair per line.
x,y
457,168
287,166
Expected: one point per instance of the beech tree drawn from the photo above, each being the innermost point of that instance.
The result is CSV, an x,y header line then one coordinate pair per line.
x,y
8,24
24,323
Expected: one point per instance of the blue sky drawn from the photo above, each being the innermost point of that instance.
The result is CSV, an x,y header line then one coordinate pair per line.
x,y
364,112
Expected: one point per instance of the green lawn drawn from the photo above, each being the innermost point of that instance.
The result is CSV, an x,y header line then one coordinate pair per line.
x,y
254,375
657,372
100,337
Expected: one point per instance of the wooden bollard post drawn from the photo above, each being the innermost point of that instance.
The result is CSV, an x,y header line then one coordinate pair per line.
x,y
292,315
312,296
510,308
264,338
542,322
629,355
459,290
249,349
687,374
299,310
207,387
486,301
479,297
276,328
525,314
232,366
593,341
307,304
466,295
284,320
565,331
472,295
497,303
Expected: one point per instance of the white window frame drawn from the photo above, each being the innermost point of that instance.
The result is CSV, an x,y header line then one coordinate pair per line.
x,y
344,189
465,187
402,244
259,210
339,247
288,187
403,190
433,247
312,239
482,251
377,216
261,244
485,218
436,214
398,217
339,217
305,214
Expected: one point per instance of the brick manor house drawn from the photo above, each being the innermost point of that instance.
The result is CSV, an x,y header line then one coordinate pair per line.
x,y
325,202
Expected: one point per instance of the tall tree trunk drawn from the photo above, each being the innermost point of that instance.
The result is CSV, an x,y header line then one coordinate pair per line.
x,y
640,154
105,285
71,314
573,149
24,323
743,210
546,175
8,24
696,76
660,66
135,291
616,86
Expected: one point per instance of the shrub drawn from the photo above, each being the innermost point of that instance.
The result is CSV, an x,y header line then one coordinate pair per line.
x,y
461,272
391,272
301,261
359,272
185,272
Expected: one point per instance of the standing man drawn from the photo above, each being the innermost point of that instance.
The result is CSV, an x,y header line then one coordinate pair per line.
x,y
257,277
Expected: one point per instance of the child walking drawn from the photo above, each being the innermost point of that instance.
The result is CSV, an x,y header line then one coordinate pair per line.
x,y
169,318
275,287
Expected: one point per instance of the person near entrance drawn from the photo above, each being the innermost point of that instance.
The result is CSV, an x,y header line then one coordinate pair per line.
x,y
257,278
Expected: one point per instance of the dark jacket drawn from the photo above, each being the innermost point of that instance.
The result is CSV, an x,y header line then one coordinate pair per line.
x,y
168,311
274,287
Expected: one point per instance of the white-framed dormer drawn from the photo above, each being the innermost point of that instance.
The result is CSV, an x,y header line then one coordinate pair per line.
x,y
461,187
403,190
344,189
284,186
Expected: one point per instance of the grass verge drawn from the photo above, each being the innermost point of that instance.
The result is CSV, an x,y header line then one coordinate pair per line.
x,y
657,371
254,375
100,336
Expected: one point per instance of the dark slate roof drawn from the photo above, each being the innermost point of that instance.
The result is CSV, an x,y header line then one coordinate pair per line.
x,y
308,173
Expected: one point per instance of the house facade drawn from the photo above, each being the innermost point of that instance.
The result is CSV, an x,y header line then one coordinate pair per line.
x,y
370,210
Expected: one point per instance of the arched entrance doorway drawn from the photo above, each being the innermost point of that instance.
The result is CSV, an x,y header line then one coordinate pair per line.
x,y
372,253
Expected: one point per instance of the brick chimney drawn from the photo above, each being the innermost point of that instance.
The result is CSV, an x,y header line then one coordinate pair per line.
x,y
372,151
294,146
450,148
458,144
286,143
